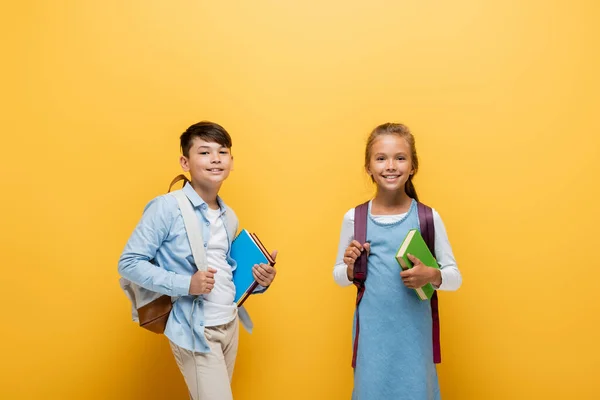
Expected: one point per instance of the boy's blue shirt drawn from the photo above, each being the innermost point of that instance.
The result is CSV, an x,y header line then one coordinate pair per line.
x,y
158,257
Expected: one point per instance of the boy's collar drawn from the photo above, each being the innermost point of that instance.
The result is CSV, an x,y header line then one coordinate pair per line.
x,y
197,201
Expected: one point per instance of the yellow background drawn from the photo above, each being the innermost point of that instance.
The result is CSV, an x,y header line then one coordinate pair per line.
x,y
502,97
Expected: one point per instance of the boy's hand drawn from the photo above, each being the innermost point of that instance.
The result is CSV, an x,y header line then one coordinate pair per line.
x,y
203,282
420,274
265,273
352,253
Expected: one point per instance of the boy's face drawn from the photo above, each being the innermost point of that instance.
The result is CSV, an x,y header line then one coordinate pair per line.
x,y
208,163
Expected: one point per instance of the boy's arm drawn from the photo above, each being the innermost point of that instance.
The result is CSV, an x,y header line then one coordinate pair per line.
x,y
135,262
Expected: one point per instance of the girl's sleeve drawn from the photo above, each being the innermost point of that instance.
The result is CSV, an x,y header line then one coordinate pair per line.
x,y
451,277
346,236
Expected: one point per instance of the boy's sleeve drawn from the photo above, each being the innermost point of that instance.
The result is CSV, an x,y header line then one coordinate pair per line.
x,y
259,289
135,262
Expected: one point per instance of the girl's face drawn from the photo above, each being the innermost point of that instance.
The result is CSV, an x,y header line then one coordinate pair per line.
x,y
390,164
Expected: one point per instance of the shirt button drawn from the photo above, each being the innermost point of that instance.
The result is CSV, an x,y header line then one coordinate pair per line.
x,y
205,244
204,206
207,223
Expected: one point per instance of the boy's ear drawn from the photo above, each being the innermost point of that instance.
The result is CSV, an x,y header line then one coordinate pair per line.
x,y
368,171
185,164
232,164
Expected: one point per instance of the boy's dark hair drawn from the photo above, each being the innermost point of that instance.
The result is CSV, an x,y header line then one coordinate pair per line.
x,y
205,130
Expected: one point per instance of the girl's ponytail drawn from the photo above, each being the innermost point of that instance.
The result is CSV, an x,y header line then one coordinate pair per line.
x,y
410,190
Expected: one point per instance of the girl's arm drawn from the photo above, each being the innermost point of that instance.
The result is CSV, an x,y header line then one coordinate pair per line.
x,y
340,270
451,277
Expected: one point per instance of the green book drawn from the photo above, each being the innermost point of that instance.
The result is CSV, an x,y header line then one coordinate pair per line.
x,y
414,244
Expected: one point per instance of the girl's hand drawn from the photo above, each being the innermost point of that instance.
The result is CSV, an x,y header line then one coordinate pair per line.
x,y
352,253
420,275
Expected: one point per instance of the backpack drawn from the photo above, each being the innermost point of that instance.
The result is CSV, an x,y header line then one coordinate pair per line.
x,y
360,270
151,309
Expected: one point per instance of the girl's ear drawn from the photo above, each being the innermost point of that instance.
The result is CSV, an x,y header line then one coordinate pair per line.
x,y
185,164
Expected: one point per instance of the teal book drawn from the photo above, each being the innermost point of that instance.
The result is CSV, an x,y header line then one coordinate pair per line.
x,y
414,244
247,251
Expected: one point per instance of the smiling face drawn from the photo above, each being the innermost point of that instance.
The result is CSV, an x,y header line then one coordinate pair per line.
x,y
209,163
390,163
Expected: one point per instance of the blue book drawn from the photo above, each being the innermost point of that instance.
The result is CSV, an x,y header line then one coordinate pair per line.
x,y
247,250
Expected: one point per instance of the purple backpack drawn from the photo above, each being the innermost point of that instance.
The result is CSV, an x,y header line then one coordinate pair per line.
x,y
360,270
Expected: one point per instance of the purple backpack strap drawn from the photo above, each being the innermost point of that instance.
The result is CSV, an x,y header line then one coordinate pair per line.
x,y
360,266
360,235
428,233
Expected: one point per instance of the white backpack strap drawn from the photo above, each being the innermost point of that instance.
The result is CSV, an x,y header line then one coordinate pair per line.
x,y
194,233
192,227
231,222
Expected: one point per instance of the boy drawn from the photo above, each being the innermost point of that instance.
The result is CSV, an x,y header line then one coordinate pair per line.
x,y
203,325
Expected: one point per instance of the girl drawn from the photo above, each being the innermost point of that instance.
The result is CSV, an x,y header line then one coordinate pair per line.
x,y
394,358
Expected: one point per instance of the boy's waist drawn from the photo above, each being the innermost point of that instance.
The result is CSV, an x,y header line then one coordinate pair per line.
x,y
193,313
184,305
